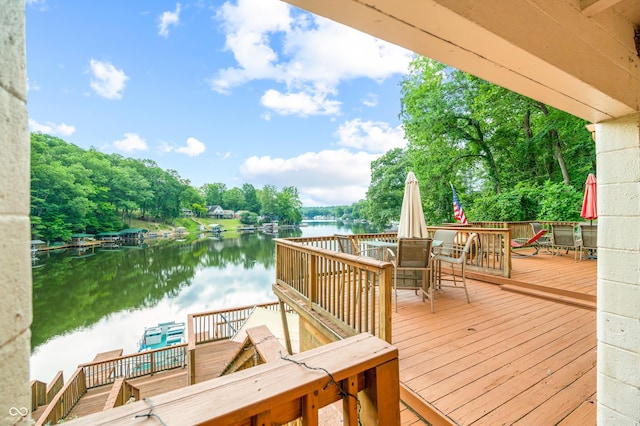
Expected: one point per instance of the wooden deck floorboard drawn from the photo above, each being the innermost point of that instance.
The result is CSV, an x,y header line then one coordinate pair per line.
x,y
504,358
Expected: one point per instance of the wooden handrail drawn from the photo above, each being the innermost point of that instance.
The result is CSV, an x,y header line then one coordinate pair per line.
x,y
65,399
121,392
354,291
116,395
491,254
145,363
211,326
217,325
38,394
56,384
260,347
362,371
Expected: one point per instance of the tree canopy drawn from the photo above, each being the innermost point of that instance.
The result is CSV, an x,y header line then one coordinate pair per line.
x,y
76,190
509,157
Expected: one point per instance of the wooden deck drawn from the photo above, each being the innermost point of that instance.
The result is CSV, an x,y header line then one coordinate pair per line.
x,y
522,356
522,352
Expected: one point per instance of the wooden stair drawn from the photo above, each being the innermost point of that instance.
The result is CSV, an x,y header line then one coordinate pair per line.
x,y
91,402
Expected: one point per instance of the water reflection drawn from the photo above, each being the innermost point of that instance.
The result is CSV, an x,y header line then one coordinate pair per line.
x,y
84,304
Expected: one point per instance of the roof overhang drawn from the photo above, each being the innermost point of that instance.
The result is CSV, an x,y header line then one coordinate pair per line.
x,y
577,56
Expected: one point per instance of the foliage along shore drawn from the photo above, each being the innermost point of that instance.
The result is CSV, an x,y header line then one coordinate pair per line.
x,y
86,191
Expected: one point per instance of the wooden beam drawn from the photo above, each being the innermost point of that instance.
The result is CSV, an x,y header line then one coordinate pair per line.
x,y
592,7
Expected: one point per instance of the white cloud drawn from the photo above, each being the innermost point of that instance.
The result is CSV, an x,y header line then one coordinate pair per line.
x,y
317,54
322,178
300,103
329,177
53,129
131,142
40,5
107,81
371,100
33,86
371,136
167,19
193,148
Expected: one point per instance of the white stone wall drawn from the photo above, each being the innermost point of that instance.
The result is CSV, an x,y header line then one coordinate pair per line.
x,y
618,159
15,261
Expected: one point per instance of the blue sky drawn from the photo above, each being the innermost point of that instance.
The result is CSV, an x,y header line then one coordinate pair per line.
x,y
244,91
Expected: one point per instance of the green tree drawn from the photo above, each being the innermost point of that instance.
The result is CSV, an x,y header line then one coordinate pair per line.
x,y
213,193
268,197
233,199
384,196
251,198
485,140
192,199
289,205
248,218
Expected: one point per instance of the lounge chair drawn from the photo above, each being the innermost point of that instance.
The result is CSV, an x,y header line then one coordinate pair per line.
x,y
545,240
588,238
564,236
532,242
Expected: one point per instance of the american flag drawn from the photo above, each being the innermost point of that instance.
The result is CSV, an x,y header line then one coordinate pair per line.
x,y
457,208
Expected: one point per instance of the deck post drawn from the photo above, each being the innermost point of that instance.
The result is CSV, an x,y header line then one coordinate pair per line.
x,y
312,276
380,399
285,326
191,362
310,403
384,302
506,270
152,363
349,403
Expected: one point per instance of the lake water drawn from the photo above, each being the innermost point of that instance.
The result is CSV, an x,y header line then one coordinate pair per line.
x,y
86,304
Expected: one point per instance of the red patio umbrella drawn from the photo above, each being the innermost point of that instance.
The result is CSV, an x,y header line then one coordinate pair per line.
x,y
590,201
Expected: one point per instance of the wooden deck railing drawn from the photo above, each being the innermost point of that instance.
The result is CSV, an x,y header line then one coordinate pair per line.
x,y
353,290
54,387
65,399
41,393
259,347
211,326
217,325
106,372
38,394
121,393
491,255
134,365
362,371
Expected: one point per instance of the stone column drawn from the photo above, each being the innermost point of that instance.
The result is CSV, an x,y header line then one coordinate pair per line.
x,y
618,174
15,234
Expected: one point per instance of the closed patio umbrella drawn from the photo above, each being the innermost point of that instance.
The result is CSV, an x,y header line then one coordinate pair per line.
x,y
412,223
590,201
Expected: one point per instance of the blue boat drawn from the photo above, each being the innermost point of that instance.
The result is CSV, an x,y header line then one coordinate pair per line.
x,y
162,335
